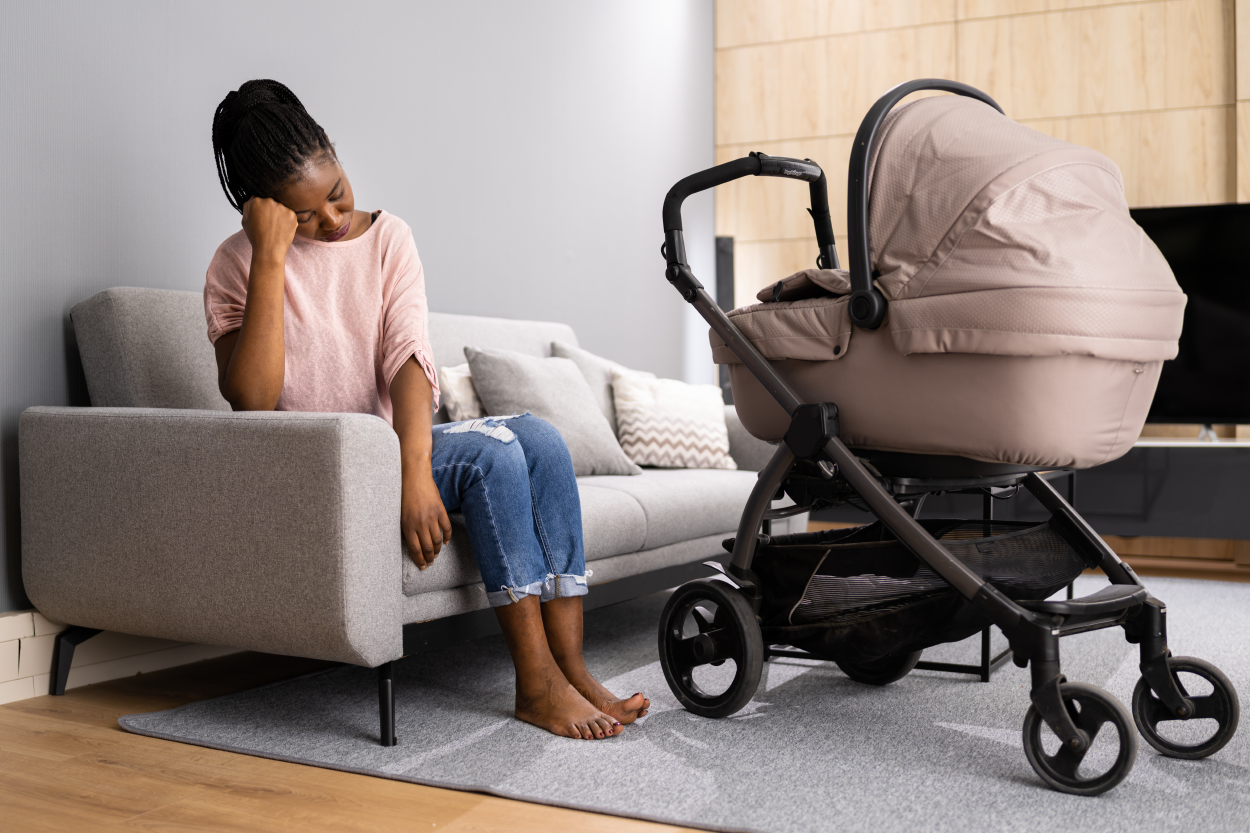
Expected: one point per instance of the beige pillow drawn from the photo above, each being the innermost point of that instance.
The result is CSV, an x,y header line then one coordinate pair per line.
x,y
459,396
671,424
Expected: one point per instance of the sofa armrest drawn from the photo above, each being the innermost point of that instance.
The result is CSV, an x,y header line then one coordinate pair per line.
x,y
749,453
266,531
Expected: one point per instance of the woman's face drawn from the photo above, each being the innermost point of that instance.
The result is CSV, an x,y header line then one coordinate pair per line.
x,y
322,201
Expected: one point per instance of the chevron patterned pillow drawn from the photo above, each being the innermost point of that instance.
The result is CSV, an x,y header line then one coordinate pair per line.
x,y
670,424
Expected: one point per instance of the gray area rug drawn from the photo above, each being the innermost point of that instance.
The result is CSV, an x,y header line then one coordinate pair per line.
x,y
813,751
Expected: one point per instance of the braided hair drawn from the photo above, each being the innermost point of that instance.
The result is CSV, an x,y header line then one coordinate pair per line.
x,y
262,138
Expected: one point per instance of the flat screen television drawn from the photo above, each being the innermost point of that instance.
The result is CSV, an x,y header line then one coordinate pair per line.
x,y
1208,248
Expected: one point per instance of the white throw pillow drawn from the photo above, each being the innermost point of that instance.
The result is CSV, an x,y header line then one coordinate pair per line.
x,y
671,424
459,396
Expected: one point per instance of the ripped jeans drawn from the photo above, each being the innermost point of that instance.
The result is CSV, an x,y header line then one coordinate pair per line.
x,y
512,478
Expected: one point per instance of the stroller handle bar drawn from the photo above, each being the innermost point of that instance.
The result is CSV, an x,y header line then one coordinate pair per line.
x,y
867,307
755,164
678,270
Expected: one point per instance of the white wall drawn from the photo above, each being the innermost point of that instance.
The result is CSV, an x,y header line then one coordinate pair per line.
x,y
528,144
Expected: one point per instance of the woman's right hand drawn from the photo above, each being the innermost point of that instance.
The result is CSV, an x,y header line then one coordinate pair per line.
x,y
270,227
423,519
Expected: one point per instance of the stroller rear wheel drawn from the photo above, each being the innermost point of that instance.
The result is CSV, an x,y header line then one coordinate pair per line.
x,y
705,625
1082,773
1189,737
880,671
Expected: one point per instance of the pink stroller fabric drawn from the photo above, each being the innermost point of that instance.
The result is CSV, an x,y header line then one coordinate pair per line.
x,y
988,239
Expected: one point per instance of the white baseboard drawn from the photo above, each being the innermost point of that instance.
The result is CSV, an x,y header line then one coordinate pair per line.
x,y
26,648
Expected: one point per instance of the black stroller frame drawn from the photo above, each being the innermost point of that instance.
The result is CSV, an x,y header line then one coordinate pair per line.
x,y
1074,712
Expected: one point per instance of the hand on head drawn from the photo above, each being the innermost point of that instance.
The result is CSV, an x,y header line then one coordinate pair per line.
x,y
270,226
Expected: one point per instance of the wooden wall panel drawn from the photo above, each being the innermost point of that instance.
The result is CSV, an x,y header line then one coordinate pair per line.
x,y
1242,49
1155,85
1243,151
757,264
766,208
840,17
823,86
1115,59
1168,157
967,9
1242,59
741,22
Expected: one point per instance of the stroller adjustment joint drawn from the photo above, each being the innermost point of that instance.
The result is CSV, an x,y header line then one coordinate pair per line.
x,y
872,598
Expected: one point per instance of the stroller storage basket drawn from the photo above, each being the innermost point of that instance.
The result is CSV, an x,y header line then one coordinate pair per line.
x,y
859,594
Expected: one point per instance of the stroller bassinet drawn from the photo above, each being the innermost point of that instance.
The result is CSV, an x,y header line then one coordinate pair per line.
x,y
1002,316
1010,264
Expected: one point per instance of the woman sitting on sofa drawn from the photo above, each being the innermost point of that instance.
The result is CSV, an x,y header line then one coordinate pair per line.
x,y
315,306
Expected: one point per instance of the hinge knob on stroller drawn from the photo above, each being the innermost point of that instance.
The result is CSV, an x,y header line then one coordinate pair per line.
x,y
872,598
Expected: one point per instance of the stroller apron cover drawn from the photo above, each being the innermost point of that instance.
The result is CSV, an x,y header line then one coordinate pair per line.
x,y
1028,315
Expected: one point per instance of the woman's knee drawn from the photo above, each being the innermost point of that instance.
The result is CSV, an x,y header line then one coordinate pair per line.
x,y
488,445
538,436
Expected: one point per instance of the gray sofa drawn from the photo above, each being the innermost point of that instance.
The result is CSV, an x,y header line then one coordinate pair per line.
x,y
160,512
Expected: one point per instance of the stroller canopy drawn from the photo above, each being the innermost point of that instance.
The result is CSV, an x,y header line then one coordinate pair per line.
x,y
986,237
991,237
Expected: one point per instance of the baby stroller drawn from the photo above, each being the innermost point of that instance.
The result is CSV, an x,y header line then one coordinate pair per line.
x,y
1003,320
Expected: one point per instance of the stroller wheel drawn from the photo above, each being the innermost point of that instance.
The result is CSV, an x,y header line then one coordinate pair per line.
x,y
711,648
880,671
1083,773
1216,711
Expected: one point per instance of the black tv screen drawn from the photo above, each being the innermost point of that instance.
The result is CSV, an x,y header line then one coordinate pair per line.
x,y
1208,247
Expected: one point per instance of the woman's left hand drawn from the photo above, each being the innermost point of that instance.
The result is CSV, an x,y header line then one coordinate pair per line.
x,y
423,519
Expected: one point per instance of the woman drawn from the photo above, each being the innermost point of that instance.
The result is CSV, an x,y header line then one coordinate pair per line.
x,y
316,306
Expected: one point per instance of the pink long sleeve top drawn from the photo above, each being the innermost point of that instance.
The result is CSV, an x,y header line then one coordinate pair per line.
x,y
354,312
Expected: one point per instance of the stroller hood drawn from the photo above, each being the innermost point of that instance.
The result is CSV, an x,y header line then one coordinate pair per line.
x,y
990,237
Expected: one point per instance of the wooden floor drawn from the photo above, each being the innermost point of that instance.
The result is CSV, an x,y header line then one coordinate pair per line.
x,y
65,765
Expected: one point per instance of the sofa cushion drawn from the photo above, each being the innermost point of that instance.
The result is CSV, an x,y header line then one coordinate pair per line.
x,y
680,504
613,523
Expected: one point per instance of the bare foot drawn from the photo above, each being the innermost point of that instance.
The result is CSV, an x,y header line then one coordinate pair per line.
x,y
624,709
561,710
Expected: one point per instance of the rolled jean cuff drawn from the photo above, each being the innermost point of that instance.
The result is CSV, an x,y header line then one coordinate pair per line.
x,y
552,587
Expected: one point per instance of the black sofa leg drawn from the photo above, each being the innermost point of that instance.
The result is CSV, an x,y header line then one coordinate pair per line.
x,y
63,655
386,702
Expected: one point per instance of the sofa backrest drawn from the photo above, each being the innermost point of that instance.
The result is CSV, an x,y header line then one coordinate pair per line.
x,y
148,348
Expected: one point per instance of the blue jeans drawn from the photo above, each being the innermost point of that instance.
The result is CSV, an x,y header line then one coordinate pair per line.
x,y
512,478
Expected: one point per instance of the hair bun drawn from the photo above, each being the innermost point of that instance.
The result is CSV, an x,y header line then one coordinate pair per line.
x,y
262,135
264,91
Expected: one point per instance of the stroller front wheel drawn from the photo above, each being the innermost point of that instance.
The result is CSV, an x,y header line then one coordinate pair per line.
x,y
1079,773
705,625
1188,739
